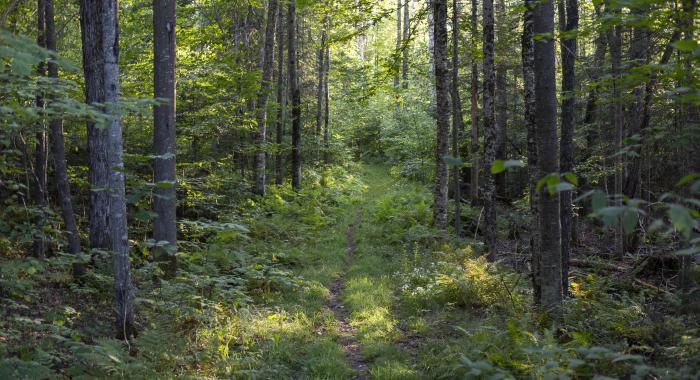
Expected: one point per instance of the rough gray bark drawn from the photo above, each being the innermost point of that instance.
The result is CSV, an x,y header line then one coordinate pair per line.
x,y
474,111
261,106
406,33
397,79
321,70
99,31
615,40
41,148
568,23
490,139
457,126
58,146
528,63
295,95
591,102
281,97
164,140
442,92
547,159
327,109
501,101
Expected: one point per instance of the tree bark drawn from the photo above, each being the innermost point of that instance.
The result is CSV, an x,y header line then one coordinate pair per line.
x,y
442,90
295,95
501,101
41,148
547,158
164,132
528,63
261,106
321,83
397,70
615,40
474,111
406,33
327,109
281,97
568,24
457,126
99,31
58,145
591,102
490,139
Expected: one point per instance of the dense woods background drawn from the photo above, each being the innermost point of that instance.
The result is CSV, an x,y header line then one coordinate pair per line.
x,y
349,189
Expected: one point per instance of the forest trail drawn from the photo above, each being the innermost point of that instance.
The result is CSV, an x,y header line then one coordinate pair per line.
x,y
348,341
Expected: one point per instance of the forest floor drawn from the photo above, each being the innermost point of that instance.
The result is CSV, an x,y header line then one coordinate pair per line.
x,y
345,279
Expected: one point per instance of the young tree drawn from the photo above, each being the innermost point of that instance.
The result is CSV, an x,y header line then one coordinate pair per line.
x,y
164,135
294,94
406,36
281,96
568,25
490,139
327,109
99,25
550,296
261,107
456,116
40,150
58,146
321,69
397,80
442,91
501,99
474,109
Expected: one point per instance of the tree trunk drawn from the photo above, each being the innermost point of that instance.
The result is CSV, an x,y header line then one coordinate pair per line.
x,y
406,32
442,91
261,106
547,158
568,24
474,111
399,31
321,83
164,140
456,117
40,151
528,63
501,101
99,27
281,97
591,106
295,95
58,145
490,139
327,109
615,40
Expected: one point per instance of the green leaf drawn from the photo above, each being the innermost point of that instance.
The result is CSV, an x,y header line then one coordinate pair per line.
x,y
629,220
685,45
681,219
599,201
453,161
687,179
499,166
571,177
688,251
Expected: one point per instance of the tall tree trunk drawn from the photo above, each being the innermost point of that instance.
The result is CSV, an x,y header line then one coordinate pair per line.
x,y
397,70
99,30
281,96
547,159
442,91
431,52
490,139
40,151
164,140
568,24
615,40
457,126
591,102
528,63
406,33
295,95
321,82
261,106
474,111
327,109
58,145
501,101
